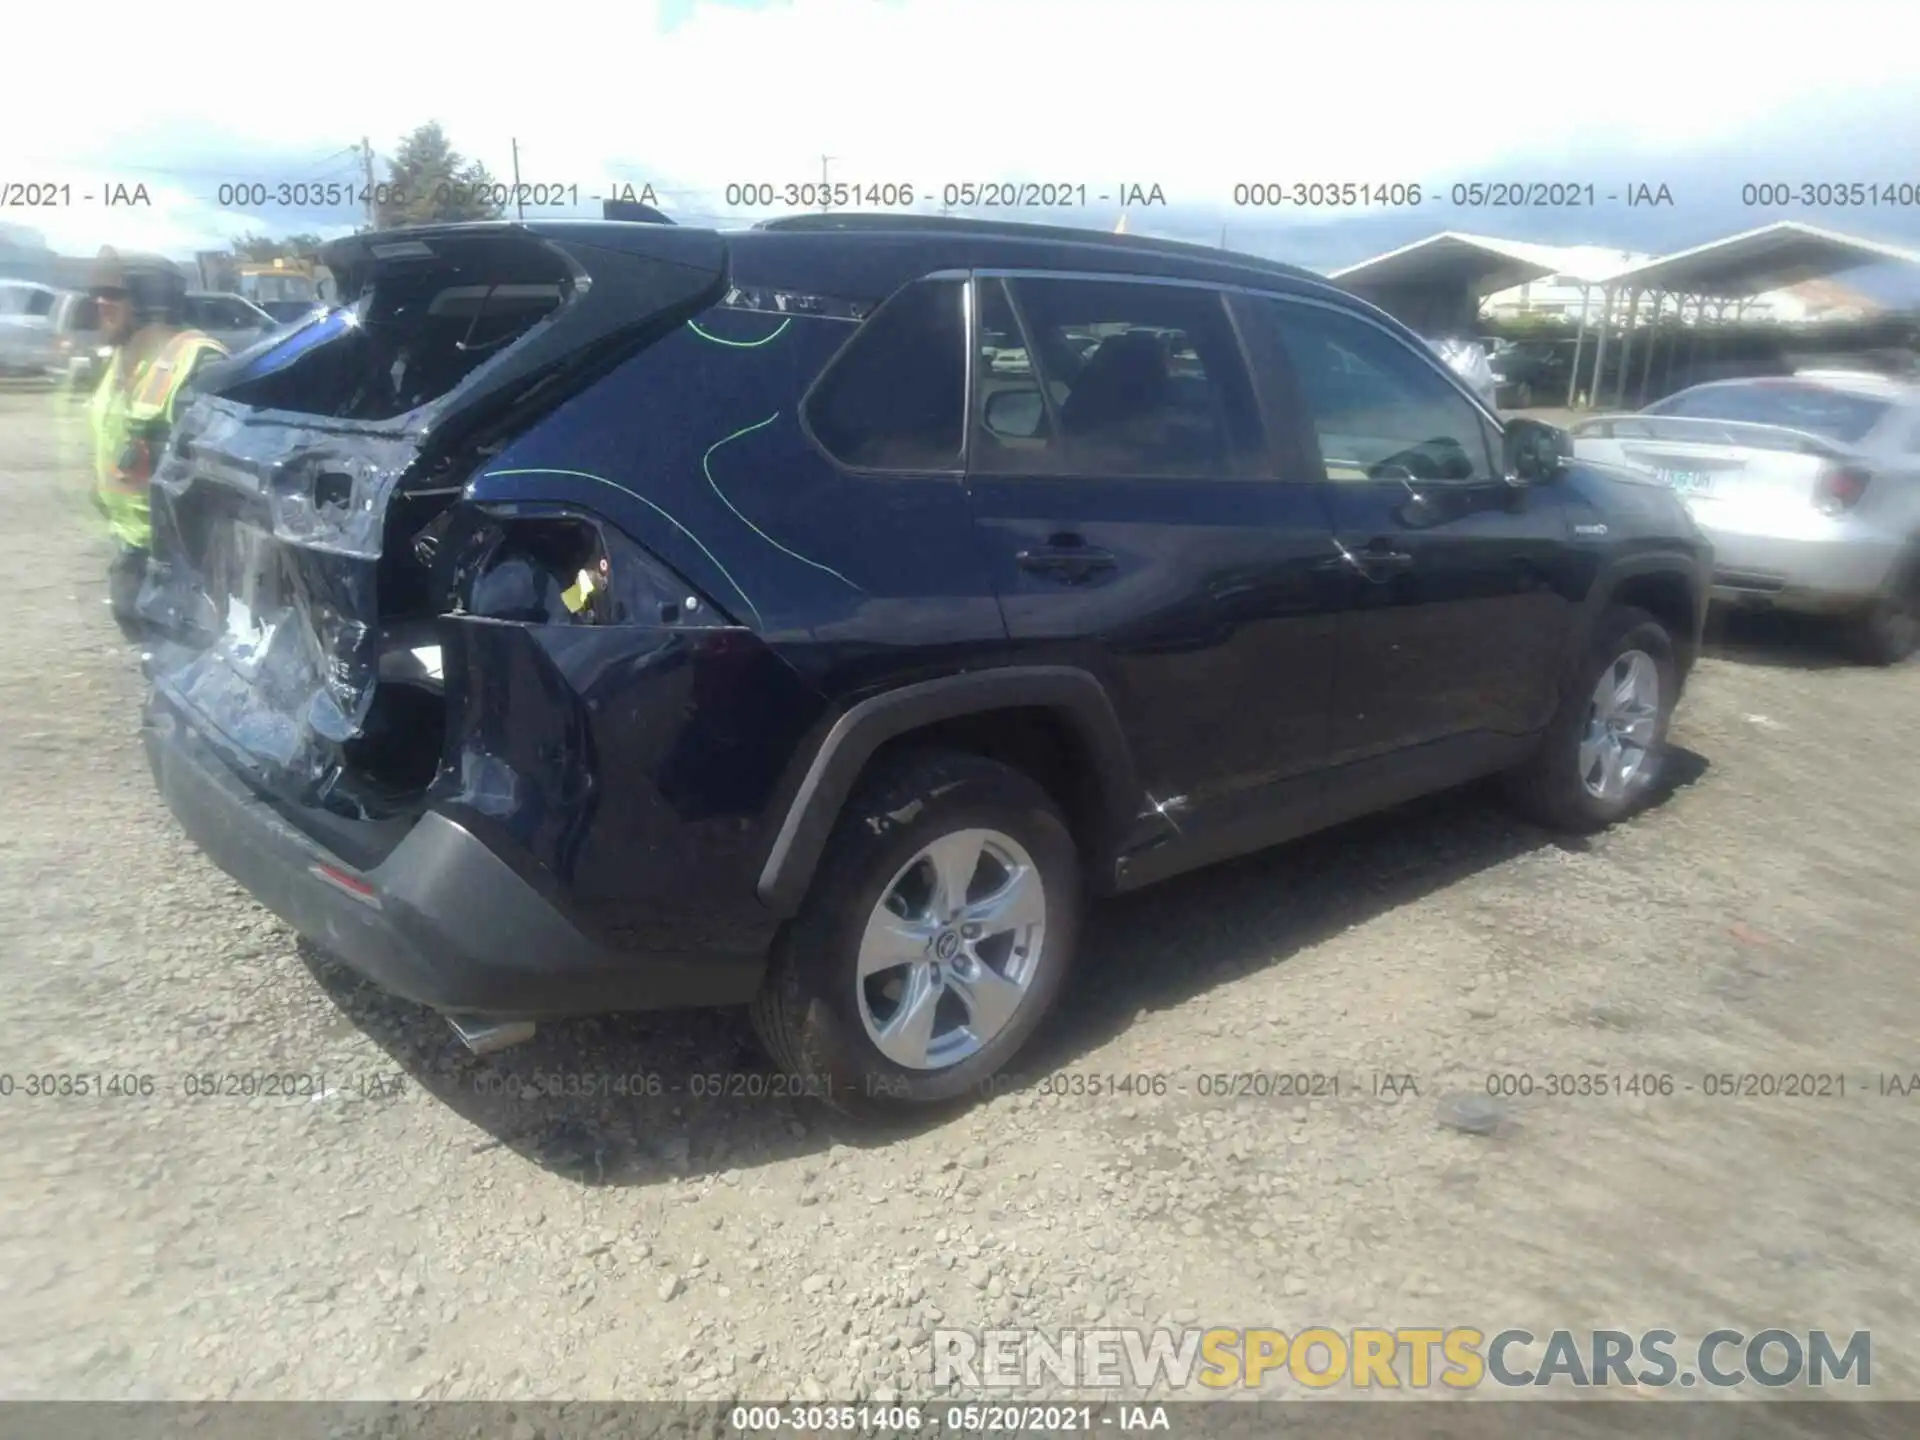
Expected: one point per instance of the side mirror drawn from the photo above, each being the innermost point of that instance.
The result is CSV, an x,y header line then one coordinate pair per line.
x,y
1015,414
1534,451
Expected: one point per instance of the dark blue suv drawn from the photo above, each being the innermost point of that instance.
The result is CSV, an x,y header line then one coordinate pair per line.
x,y
593,616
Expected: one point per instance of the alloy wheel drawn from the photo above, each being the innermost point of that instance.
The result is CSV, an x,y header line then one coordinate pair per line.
x,y
1616,750
951,950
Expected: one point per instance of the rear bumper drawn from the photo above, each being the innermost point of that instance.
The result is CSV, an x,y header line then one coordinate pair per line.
x,y
444,921
1841,569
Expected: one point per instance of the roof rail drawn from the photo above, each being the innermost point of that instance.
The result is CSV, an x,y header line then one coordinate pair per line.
x,y
896,223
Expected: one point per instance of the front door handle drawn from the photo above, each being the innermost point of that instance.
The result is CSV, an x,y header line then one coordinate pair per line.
x,y
1069,563
1376,562
1384,562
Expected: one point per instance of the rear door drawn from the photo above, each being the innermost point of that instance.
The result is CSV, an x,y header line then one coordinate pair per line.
x,y
1140,525
1453,620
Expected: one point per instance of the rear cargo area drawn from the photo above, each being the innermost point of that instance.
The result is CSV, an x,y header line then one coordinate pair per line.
x,y
306,543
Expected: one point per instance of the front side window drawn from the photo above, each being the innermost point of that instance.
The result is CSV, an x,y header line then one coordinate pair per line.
x,y
1094,377
895,397
1379,410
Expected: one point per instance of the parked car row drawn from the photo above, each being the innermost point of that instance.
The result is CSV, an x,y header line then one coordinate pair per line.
x,y
1531,372
50,333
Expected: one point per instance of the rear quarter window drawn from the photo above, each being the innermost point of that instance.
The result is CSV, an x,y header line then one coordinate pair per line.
x,y
895,397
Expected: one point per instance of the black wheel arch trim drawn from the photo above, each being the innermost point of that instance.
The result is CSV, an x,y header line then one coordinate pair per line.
x,y
1693,569
851,740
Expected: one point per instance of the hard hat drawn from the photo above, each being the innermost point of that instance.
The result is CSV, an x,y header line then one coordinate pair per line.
x,y
150,283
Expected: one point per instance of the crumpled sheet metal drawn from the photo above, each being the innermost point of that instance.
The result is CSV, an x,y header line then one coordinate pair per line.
x,y
267,536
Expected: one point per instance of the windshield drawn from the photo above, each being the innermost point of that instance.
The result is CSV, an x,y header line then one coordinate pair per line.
x,y
1813,408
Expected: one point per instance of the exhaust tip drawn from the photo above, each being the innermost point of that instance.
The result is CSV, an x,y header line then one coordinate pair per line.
x,y
485,1037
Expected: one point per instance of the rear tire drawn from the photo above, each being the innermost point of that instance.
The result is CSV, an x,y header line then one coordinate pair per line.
x,y
1889,631
1597,765
840,1034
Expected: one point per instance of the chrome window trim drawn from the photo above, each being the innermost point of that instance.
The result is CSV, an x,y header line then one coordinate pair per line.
x,y
967,313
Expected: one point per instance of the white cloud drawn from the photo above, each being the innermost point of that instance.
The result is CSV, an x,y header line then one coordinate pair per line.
x,y
1194,95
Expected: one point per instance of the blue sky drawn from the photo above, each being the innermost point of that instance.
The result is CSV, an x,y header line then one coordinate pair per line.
x,y
1191,95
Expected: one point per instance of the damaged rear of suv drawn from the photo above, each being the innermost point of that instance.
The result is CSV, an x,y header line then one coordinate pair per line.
x,y
413,682
598,616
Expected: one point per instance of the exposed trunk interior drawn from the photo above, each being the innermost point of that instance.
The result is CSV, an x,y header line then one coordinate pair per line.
x,y
306,521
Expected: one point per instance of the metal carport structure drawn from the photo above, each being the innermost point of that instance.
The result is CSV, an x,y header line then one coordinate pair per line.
x,y
1441,280
1729,271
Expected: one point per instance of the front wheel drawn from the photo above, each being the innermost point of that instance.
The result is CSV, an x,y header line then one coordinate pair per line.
x,y
1602,752
937,932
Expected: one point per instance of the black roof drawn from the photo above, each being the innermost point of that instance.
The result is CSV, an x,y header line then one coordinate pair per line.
x,y
812,252
895,248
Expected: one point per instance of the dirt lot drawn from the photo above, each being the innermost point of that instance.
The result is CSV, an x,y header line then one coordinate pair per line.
x,y
426,1224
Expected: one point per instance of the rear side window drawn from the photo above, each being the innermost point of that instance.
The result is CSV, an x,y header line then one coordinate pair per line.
x,y
1111,378
895,397
1380,411
1814,408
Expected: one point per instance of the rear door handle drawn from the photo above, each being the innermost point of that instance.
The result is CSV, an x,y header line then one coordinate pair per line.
x,y
1071,563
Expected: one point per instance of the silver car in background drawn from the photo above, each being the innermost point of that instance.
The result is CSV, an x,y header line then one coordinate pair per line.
x,y
79,354
26,335
1807,485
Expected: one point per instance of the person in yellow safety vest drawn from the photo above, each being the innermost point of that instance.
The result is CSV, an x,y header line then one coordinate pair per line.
x,y
142,303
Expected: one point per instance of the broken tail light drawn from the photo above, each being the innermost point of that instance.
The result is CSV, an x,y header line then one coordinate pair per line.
x,y
564,569
1840,487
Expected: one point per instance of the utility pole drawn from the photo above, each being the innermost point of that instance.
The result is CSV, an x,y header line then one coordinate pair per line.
x,y
366,166
519,207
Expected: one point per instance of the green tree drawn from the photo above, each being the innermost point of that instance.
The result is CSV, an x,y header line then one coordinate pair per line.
x,y
432,182
257,249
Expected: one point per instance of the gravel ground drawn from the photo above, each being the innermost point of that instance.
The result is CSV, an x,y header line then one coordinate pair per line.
x,y
429,1225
